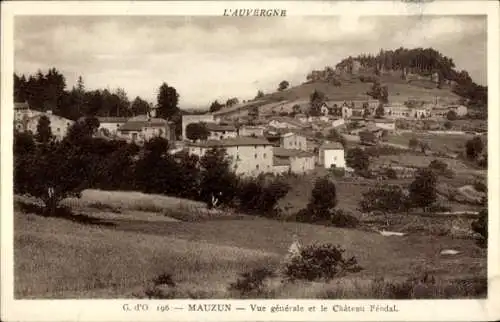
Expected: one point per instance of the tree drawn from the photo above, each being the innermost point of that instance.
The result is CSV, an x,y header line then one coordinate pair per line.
x,y
218,182
423,191
335,136
197,131
385,198
82,130
358,159
40,178
474,147
43,130
448,125
232,101
323,200
140,106
413,143
316,99
451,116
379,111
215,106
167,101
367,137
260,94
480,226
283,85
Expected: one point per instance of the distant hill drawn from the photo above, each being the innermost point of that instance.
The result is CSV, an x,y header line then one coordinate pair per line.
x,y
408,74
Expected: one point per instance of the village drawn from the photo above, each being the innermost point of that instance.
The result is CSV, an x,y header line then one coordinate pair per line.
x,y
278,137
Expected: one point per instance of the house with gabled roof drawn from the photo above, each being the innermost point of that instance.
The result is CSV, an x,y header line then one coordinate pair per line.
x,y
331,154
250,156
221,131
110,125
299,161
141,129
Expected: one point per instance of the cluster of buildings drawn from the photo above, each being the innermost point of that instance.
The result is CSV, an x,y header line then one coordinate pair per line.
x,y
26,119
280,145
136,129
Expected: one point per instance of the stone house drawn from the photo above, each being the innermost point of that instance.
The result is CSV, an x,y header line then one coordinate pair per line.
x,y
299,162
249,156
58,125
331,154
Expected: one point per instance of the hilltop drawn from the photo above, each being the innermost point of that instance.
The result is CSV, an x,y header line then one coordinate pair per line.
x,y
408,74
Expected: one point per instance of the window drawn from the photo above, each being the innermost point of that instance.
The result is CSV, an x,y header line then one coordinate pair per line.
x,y
264,155
58,129
256,155
117,125
257,167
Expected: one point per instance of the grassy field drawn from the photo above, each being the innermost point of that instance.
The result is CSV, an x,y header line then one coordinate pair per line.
x,y
437,143
59,258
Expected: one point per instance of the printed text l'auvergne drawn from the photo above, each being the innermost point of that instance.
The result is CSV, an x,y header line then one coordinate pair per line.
x,y
255,12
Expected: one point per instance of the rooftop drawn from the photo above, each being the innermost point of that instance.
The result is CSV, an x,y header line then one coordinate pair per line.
x,y
218,127
332,146
282,152
139,125
238,141
112,119
277,161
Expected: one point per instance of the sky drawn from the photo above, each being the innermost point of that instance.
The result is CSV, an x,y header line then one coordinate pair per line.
x,y
208,58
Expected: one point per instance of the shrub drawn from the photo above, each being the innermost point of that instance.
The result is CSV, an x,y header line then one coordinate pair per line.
x,y
319,262
480,226
480,186
343,219
385,198
357,159
164,279
251,283
474,147
391,173
337,172
255,196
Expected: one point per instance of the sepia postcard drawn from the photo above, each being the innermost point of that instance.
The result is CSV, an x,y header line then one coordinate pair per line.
x,y
250,161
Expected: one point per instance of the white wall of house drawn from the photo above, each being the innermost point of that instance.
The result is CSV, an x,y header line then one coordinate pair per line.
x,y
251,130
280,169
460,110
247,160
58,125
333,157
293,141
111,127
221,135
302,165
337,123
282,125
386,126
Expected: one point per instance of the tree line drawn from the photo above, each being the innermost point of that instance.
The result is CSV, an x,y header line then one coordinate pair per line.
x,y
49,91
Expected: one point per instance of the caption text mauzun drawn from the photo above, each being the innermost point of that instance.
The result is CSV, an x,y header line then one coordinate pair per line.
x,y
255,12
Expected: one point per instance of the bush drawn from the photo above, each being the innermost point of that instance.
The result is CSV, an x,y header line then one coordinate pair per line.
x,y
343,219
480,186
337,172
480,226
319,262
251,283
255,196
